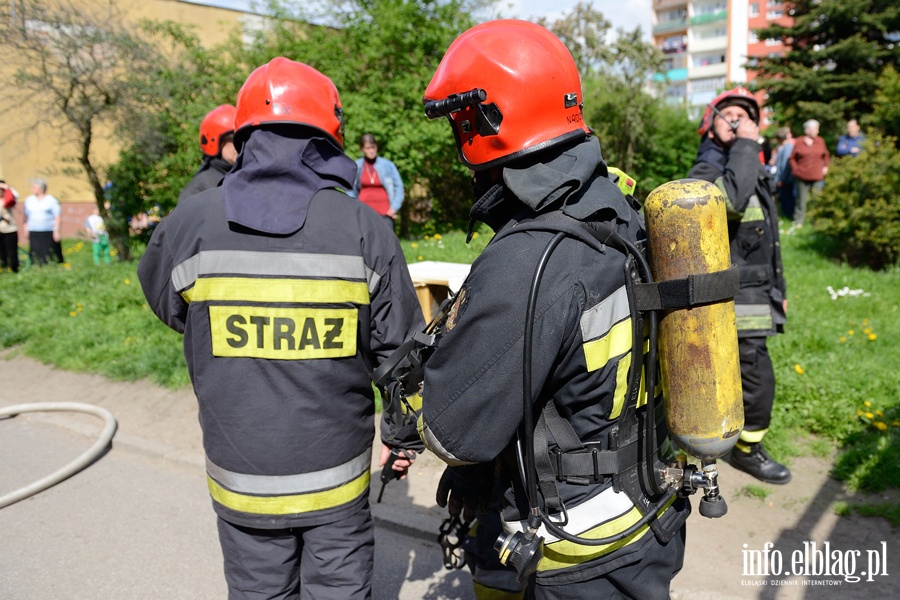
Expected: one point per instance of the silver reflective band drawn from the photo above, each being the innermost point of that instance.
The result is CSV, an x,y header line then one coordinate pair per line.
x,y
752,310
287,264
284,485
605,506
598,320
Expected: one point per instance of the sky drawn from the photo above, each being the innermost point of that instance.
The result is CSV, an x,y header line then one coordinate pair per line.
x,y
626,14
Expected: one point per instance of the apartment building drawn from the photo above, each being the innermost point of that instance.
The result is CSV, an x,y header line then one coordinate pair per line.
x,y
710,42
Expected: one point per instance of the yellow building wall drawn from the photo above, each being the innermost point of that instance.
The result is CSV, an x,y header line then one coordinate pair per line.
x,y
31,147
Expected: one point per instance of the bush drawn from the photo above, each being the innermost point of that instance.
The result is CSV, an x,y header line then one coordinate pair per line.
x,y
858,211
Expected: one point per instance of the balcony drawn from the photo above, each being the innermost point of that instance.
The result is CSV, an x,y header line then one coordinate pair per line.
x,y
714,70
670,26
662,4
703,19
709,44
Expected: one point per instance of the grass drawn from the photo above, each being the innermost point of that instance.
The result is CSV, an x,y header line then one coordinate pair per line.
x,y
835,367
755,491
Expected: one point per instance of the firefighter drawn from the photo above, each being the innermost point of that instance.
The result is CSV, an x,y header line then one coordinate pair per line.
x,y
217,145
729,157
512,93
289,293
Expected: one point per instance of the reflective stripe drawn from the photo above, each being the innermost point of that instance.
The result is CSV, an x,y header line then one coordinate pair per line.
x,y
605,506
290,484
435,446
238,262
246,289
563,554
622,384
599,319
483,592
754,211
289,505
730,210
753,316
752,437
617,342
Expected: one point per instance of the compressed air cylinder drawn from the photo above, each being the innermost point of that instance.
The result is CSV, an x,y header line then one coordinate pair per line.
x,y
701,380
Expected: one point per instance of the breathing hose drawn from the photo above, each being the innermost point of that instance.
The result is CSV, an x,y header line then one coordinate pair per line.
x,y
86,458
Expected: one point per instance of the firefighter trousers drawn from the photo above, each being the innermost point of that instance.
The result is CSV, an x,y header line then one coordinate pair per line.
x,y
333,561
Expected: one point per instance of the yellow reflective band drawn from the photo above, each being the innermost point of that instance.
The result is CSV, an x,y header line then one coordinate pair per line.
x,y
731,212
289,505
754,322
622,386
247,289
753,213
414,401
618,341
482,592
752,437
283,333
564,554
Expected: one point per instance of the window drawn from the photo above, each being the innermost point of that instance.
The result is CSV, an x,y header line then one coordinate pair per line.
x,y
754,9
775,14
752,38
773,42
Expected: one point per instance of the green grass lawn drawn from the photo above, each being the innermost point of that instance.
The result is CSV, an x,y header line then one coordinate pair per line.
x,y
836,366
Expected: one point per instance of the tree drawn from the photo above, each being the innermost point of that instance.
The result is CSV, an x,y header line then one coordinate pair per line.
x,y
836,51
74,59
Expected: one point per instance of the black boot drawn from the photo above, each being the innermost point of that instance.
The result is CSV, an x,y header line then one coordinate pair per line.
x,y
758,463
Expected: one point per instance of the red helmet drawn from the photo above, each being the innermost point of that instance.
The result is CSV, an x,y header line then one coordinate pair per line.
x,y
217,123
286,91
509,88
735,97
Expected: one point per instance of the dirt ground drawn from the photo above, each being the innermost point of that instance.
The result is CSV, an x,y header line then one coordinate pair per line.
x,y
793,531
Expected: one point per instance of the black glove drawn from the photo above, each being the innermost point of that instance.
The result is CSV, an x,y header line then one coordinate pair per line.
x,y
466,491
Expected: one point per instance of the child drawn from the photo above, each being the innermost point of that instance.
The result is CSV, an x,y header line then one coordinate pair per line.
x,y
96,230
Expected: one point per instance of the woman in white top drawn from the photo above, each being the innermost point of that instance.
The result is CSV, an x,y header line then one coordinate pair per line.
x,y
43,218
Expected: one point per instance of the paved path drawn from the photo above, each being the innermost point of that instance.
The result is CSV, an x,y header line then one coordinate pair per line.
x,y
138,523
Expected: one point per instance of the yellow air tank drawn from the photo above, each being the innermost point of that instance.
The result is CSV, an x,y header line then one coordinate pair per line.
x,y
698,352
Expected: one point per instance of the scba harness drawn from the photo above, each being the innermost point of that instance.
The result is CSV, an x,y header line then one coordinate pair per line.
x,y
637,457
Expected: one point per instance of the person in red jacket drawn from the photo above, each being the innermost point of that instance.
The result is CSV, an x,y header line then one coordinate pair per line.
x,y
809,164
9,233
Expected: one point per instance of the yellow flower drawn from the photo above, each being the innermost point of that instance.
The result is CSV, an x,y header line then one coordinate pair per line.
x,y
865,321
859,413
72,313
420,257
867,403
895,423
799,369
79,306
880,426
867,330
67,266
879,413
851,332
437,236
870,415
842,339
127,281
474,235
872,337
414,245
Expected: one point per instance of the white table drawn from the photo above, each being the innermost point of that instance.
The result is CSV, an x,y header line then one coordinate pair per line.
x,y
434,281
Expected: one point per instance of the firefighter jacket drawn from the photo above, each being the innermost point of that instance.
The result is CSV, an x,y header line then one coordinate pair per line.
x,y
752,231
208,176
473,384
281,333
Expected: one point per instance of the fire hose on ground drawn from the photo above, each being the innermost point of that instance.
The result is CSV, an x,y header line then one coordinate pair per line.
x,y
86,458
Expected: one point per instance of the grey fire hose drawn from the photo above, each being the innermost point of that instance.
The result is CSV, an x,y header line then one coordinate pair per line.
x,y
86,458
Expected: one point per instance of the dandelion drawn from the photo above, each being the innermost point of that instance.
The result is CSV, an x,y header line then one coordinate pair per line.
x,y
867,403
872,337
799,369
437,236
880,426
414,245
127,281
420,257
895,423
842,339
880,413
67,266
867,330
474,235
73,313
870,415
851,332
859,413
865,322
